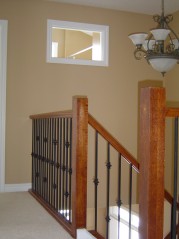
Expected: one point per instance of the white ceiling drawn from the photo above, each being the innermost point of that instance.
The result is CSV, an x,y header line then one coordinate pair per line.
x,y
139,6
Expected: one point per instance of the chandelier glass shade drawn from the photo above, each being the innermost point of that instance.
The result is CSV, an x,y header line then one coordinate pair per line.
x,y
160,47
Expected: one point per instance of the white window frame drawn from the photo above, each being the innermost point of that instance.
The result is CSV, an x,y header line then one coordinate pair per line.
x,y
3,66
103,29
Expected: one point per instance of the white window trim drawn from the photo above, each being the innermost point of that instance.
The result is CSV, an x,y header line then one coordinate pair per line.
x,y
3,62
78,26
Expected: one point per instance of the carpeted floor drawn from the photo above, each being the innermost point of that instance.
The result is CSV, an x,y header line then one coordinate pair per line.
x,y
22,217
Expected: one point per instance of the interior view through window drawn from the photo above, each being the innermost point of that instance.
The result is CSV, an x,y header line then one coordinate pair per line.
x,y
76,44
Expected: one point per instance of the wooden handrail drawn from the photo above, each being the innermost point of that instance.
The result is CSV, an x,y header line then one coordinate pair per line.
x,y
169,198
104,133
58,114
172,112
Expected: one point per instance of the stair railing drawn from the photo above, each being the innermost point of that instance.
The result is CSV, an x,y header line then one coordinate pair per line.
x,y
105,158
153,113
59,172
174,114
59,163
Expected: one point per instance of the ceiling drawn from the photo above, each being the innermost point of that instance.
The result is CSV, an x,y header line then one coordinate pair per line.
x,y
150,7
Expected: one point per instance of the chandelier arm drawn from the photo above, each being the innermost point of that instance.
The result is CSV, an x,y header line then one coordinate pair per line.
x,y
168,19
150,36
157,18
173,34
148,40
170,47
170,37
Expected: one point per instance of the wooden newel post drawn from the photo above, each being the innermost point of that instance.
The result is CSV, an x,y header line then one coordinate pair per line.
x,y
151,155
79,162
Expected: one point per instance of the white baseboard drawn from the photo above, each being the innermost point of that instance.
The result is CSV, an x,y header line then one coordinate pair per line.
x,y
17,187
1,188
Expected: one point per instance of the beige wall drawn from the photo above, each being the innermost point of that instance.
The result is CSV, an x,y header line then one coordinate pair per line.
x,y
171,80
172,90
34,86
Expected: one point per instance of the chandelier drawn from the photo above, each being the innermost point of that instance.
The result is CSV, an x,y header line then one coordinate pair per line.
x,y
160,47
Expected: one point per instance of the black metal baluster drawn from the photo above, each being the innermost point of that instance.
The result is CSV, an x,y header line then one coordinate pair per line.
x,y
119,194
55,143
66,172
53,163
130,199
33,154
70,171
35,157
60,174
108,165
174,205
96,181
64,168
48,160
40,156
50,164
45,157
43,161
177,231
57,166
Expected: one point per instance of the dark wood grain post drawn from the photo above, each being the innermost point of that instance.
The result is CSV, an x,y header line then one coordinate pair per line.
x,y
79,162
151,153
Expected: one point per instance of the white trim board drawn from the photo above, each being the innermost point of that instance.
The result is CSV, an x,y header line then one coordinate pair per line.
x,y
17,187
3,69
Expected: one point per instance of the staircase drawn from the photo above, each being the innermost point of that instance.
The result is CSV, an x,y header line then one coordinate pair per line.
x,y
59,156
124,223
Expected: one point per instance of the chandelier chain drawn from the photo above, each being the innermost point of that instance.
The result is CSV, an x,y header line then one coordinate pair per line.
x,y
163,8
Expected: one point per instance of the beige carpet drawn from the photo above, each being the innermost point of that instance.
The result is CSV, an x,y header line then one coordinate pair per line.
x,y
22,217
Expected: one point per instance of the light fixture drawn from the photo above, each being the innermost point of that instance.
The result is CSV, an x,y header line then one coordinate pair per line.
x,y
160,47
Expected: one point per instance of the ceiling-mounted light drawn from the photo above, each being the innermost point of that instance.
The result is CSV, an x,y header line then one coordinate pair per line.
x,y
160,47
